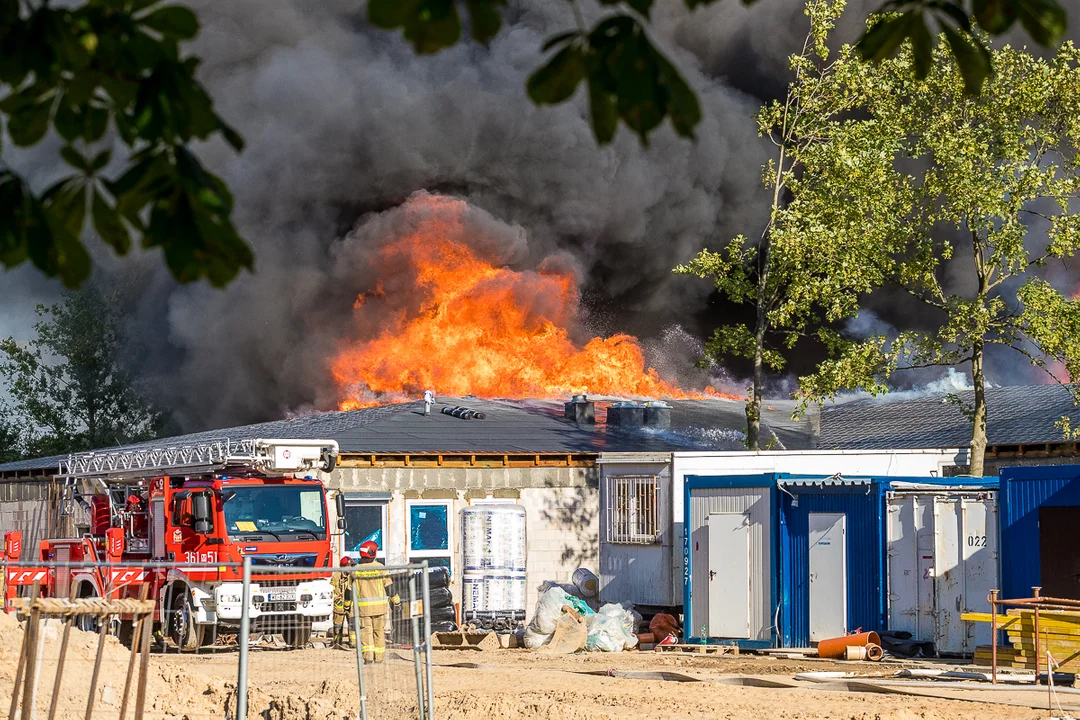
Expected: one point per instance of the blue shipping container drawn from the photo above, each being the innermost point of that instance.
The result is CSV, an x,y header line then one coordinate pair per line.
x,y
862,502
742,611
1025,493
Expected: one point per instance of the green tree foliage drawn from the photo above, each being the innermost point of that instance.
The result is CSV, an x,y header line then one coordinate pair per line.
x,y
982,188
105,74
69,388
11,441
792,284
632,81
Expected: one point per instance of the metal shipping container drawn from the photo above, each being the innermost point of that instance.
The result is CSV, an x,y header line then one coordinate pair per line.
x,y
637,543
729,552
831,558
1039,511
942,560
632,565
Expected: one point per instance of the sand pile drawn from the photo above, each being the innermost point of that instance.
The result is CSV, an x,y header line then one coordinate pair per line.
x,y
169,692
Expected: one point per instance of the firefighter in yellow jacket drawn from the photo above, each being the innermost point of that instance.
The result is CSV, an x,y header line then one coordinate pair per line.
x,y
371,603
343,605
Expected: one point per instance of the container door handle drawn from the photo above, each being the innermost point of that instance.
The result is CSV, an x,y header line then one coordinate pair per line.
x,y
958,603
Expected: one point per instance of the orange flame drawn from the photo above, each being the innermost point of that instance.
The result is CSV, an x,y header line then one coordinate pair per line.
x,y
474,328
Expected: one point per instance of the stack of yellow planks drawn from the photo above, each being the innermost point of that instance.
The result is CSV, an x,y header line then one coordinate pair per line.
x,y
1059,632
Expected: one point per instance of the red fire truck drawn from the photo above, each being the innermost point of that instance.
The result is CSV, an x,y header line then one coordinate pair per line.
x,y
213,505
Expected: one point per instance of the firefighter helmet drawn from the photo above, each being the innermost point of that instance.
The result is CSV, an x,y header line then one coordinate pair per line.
x,y
369,549
346,561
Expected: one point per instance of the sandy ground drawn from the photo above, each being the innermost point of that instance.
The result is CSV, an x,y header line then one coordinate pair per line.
x,y
317,684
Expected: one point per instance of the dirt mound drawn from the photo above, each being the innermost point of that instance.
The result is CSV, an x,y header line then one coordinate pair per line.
x,y
169,691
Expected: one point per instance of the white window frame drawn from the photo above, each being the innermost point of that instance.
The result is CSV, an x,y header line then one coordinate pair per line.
x,y
411,554
634,486
385,504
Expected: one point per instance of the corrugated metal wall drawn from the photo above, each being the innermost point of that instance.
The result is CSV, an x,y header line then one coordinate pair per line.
x,y
1023,491
756,502
639,573
864,507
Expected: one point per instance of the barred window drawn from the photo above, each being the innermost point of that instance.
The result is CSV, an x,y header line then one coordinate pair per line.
x,y
633,509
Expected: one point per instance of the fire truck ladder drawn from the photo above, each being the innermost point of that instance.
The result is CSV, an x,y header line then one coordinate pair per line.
x,y
261,456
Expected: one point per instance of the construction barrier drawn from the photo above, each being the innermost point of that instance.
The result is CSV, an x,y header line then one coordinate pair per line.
x,y
135,646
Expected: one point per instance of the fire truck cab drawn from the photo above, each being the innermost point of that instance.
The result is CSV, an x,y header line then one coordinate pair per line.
x,y
210,506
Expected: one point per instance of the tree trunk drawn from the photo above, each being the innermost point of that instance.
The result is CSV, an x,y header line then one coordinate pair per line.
x,y
753,404
978,430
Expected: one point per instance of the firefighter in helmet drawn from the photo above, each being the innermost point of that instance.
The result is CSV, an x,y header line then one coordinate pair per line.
x,y
343,605
371,602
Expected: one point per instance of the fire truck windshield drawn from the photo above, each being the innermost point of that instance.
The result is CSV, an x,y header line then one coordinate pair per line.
x,y
284,512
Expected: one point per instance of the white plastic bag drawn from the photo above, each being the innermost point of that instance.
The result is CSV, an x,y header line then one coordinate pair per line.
x,y
534,640
605,635
548,609
612,629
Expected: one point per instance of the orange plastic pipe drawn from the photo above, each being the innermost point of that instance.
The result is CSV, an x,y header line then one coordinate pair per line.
x,y
834,647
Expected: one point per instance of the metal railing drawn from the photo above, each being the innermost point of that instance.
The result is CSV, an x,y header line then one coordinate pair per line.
x,y
1037,603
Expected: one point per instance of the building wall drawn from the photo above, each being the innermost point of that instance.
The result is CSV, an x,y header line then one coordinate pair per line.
x,y
24,506
562,508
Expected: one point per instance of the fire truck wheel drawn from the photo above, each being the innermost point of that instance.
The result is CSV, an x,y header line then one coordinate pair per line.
x,y
183,630
87,623
297,637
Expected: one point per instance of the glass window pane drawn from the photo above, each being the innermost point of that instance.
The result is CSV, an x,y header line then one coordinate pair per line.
x,y
362,523
428,527
287,511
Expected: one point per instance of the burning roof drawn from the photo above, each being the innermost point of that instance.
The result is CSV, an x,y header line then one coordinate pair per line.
x,y
447,312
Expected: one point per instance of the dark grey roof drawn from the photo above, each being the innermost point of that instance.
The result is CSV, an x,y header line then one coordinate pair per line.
x,y
1015,416
510,426
46,463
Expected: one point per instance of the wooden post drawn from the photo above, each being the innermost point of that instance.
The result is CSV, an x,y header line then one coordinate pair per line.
x,y
63,656
33,629
136,636
144,662
18,679
104,620
24,655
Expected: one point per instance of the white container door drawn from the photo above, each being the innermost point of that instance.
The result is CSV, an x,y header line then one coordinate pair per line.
x,y
980,565
948,575
828,575
911,563
965,569
729,575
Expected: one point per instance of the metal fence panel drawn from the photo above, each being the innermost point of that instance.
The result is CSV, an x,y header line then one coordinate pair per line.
x,y
372,658
264,657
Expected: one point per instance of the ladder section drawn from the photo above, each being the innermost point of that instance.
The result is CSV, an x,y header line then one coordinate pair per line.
x,y
261,456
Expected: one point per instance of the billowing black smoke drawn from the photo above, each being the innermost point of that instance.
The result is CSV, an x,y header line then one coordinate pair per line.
x,y
342,120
